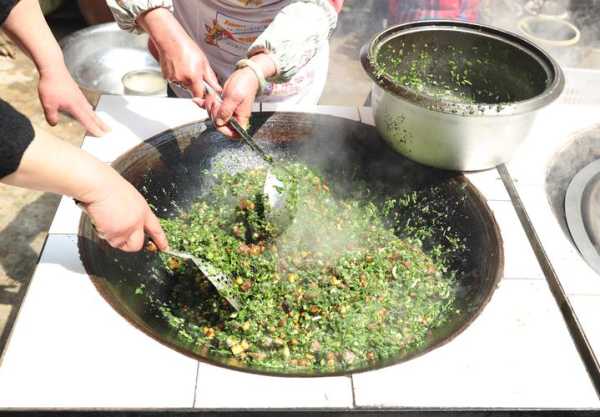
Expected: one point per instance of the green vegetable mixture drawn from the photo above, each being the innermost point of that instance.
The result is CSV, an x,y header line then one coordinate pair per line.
x,y
445,73
337,289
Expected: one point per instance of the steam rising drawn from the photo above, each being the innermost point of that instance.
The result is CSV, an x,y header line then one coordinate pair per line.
x,y
549,20
362,19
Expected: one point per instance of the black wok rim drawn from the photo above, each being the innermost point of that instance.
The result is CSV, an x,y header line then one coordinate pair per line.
x,y
104,290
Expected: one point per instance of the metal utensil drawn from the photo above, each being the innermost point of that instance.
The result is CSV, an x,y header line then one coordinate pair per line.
x,y
246,138
217,278
365,155
582,201
274,189
98,57
484,118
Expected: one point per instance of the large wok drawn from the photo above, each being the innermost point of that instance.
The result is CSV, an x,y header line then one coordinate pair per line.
x,y
170,169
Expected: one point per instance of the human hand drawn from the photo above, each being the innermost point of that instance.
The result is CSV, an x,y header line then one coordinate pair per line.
x,y
239,93
59,92
122,217
185,64
181,60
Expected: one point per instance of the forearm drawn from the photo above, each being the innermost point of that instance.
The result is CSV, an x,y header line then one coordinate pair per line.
x,y
181,59
127,12
28,28
290,41
162,26
70,171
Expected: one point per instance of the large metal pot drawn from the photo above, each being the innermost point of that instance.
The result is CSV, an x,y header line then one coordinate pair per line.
x,y
494,83
99,56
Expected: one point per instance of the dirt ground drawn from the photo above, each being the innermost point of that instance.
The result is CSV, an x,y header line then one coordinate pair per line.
x,y
25,216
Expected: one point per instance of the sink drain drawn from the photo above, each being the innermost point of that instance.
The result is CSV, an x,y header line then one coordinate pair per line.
x,y
582,211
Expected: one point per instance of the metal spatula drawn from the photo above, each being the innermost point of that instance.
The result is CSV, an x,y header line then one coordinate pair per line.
x,y
273,188
217,278
278,215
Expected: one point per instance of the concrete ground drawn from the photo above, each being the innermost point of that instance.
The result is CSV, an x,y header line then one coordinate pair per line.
x,y
25,216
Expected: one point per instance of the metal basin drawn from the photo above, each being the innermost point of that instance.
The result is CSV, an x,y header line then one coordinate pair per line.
x,y
99,56
570,191
174,167
456,95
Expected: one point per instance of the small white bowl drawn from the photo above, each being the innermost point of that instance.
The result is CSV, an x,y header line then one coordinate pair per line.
x,y
146,82
550,31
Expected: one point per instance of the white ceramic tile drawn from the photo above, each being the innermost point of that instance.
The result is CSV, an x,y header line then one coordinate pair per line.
x,y
340,111
366,115
573,272
69,348
133,119
554,126
489,184
519,258
66,219
223,388
587,310
68,344
518,353
582,86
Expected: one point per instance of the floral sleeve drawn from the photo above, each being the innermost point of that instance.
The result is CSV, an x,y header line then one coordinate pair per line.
x,y
127,11
295,35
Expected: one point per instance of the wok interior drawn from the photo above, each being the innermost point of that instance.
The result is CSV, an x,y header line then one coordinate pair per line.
x,y
474,66
170,171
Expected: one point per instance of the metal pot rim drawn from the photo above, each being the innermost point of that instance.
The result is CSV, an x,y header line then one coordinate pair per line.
x,y
553,71
523,25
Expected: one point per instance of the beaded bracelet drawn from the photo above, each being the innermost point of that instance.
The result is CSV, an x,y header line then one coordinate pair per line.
x,y
262,82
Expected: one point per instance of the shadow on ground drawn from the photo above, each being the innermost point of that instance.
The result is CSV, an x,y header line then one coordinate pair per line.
x,y
19,252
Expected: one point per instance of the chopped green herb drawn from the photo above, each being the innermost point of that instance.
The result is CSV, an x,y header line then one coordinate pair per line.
x,y
349,282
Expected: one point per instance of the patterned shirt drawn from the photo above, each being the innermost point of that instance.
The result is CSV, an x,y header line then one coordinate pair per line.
x,y
402,11
296,32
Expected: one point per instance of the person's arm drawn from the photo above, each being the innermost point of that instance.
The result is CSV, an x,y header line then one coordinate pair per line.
x,y
32,158
58,91
296,34
239,93
127,12
181,60
287,44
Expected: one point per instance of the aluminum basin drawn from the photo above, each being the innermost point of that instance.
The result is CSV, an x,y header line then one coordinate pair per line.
x,y
455,95
99,56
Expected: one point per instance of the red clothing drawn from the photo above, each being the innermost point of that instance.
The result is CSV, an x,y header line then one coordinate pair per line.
x,y
401,11
337,4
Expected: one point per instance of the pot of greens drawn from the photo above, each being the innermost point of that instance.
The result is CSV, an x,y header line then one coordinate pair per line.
x,y
384,259
457,95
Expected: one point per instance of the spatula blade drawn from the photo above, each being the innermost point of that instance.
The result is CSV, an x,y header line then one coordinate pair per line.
x,y
218,279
